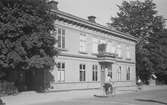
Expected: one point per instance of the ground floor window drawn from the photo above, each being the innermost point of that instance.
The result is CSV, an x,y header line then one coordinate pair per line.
x,y
82,68
128,74
61,71
94,72
110,71
119,74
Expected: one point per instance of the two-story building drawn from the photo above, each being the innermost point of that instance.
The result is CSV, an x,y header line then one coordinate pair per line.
x,y
80,65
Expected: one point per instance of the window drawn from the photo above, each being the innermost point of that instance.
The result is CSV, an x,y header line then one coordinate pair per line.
x,y
82,68
61,38
94,73
119,74
113,49
119,51
128,52
83,42
128,74
95,45
108,47
61,71
110,71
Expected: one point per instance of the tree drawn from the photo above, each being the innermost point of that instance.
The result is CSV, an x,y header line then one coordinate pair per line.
x,y
25,39
140,19
162,66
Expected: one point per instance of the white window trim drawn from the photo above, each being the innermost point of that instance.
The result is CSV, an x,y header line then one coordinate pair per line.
x,y
119,50
128,53
95,70
62,37
95,43
82,79
119,73
128,73
60,72
83,43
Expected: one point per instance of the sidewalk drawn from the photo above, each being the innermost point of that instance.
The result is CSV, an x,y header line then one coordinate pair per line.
x,y
147,87
31,97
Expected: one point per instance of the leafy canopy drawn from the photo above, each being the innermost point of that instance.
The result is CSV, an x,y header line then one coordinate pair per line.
x,y
140,19
25,40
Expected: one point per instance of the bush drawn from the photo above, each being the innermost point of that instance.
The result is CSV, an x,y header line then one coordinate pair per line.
x,y
1,102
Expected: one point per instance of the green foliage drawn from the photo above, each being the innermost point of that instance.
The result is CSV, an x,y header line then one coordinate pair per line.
x,y
140,19
1,102
25,39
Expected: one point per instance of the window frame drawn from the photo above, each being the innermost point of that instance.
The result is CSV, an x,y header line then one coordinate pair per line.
x,y
82,42
61,33
128,73
61,71
128,53
95,72
95,43
82,72
119,50
119,73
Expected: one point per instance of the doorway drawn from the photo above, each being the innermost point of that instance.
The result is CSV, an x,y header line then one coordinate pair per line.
x,y
105,70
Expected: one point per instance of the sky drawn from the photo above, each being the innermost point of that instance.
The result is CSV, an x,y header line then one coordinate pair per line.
x,y
102,9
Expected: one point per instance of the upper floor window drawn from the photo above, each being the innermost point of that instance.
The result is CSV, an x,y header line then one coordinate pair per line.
x,y
128,74
83,41
118,51
94,72
128,52
95,45
61,71
61,38
82,68
108,47
113,48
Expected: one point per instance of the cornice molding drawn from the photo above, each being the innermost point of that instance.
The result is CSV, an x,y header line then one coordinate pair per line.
x,y
63,16
95,58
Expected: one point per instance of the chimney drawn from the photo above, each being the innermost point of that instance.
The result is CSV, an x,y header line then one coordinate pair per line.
x,y
92,19
53,4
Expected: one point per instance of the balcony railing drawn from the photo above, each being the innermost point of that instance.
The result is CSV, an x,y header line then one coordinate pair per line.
x,y
102,52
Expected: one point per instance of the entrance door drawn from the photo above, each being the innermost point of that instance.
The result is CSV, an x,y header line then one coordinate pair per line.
x,y
105,70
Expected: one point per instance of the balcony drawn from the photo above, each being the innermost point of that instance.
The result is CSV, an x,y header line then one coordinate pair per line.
x,y
104,55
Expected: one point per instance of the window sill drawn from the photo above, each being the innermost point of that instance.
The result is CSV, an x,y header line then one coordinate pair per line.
x,y
94,53
128,80
81,52
62,49
60,82
95,81
128,59
119,57
82,81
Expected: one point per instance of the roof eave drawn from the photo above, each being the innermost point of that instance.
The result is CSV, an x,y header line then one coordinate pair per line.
x,y
95,25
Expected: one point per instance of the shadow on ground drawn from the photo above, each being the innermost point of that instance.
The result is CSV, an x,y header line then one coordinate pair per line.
x,y
153,101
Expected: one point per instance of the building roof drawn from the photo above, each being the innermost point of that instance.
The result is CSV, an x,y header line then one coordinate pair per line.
x,y
92,25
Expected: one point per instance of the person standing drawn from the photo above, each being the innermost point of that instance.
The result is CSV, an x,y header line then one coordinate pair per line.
x,y
139,84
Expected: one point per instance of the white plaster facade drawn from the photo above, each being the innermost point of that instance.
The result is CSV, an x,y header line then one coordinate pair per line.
x,y
72,57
